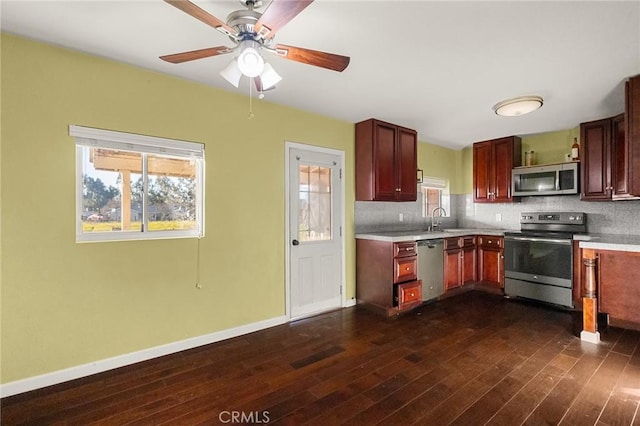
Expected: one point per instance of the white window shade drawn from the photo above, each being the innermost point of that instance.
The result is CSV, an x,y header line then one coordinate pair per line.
x,y
434,182
87,136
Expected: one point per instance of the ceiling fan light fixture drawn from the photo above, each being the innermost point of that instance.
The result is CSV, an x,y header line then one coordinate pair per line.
x,y
250,61
518,106
269,77
232,73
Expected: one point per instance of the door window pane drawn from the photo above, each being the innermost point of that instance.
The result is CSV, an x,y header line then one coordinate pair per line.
x,y
314,203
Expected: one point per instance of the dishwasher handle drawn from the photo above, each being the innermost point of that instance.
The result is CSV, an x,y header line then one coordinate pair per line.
x,y
430,243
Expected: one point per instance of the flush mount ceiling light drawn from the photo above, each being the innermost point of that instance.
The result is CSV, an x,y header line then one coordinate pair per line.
x,y
518,106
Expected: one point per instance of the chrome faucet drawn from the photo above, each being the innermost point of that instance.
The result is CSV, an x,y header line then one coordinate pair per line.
x,y
434,222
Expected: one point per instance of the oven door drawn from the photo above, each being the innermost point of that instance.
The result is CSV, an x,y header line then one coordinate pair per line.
x,y
539,260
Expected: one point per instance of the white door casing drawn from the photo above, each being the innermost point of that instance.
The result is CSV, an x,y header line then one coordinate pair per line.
x,y
315,216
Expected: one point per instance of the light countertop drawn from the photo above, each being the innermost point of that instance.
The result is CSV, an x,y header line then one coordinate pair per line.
x,y
399,236
618,242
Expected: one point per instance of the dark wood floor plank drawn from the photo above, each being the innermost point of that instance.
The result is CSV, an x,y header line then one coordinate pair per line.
x,y
623,402
591,400
468,359
627,343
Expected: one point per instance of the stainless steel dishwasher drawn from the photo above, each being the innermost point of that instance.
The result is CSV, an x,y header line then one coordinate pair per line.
x,y
430,267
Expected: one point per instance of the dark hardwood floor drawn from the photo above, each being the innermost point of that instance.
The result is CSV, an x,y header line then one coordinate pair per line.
x,y
469,360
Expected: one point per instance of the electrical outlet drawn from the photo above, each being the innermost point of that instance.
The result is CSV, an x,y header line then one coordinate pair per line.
x,y
401,217
498,217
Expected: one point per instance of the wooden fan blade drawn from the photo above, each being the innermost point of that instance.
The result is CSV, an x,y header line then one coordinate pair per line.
x,y
313,57
277,15
204,16
178,58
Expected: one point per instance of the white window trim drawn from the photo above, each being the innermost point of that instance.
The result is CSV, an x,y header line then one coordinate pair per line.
x,y
90,137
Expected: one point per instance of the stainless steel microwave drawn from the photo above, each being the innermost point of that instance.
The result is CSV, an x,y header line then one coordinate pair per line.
x,y
550,179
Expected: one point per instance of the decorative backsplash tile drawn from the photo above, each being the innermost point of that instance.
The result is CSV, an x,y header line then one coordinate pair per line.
x,y
612,217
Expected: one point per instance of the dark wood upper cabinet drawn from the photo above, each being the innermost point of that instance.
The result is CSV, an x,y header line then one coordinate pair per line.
x,y
632,113
595,138
386,162
611,152
492,164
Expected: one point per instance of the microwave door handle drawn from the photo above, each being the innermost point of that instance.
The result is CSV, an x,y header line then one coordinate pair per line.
x,y
557,181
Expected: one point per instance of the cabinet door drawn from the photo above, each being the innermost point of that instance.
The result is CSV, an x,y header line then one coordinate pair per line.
x,y
407,165
620,158
481,171
452,269
384,151
490,266
632,133
595,137
502,166
618,290
468,266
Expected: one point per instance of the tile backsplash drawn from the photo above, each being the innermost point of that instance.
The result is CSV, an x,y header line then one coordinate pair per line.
x,y
612,217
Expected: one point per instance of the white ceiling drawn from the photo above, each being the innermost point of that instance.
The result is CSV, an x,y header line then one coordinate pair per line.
x,y
437,67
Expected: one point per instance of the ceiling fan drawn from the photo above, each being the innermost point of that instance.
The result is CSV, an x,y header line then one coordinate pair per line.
x,y
252,32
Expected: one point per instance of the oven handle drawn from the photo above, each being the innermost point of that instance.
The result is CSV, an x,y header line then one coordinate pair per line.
x,y
544,240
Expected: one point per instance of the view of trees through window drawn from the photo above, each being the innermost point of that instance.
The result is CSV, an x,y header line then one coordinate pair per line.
x,y
113,197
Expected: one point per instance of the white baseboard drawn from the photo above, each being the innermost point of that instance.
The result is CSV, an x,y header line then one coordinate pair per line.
x,y
349,303
37,382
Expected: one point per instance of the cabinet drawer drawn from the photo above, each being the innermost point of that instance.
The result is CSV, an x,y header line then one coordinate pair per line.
x,y
490,241
468,241
451,243
405,269
404,249
408,295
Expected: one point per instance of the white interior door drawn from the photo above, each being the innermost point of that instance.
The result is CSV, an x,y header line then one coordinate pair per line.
x,y
315,203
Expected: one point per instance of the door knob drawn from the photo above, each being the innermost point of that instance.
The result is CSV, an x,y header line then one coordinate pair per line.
x,y
295,242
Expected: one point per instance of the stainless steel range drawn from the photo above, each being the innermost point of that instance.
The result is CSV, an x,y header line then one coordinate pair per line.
x,y
539,258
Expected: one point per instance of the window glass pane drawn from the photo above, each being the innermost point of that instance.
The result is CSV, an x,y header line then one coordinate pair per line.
x,y
102,188
171,193
314,216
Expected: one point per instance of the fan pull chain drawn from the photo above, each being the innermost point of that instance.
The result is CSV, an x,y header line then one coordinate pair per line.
x,y
251,115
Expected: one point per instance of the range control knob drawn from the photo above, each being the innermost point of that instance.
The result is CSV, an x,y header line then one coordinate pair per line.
x,y
572,218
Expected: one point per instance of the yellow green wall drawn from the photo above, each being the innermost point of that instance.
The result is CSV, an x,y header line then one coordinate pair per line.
x,y
66,304
446,163
550,147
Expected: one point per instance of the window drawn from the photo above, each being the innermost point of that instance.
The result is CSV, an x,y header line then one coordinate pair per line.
x,y
315,203
435,193
132,187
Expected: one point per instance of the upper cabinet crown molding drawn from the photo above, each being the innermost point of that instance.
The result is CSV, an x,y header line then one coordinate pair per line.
x,y
493,161
386,162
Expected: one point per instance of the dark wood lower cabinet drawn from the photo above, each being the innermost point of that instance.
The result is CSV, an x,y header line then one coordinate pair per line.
x,y
452,266
619,287
491,260
459,262
386,276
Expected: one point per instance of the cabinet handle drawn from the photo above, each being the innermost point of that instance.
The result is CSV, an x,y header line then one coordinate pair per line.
x,y
489,241
409,249
407,268
412,294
